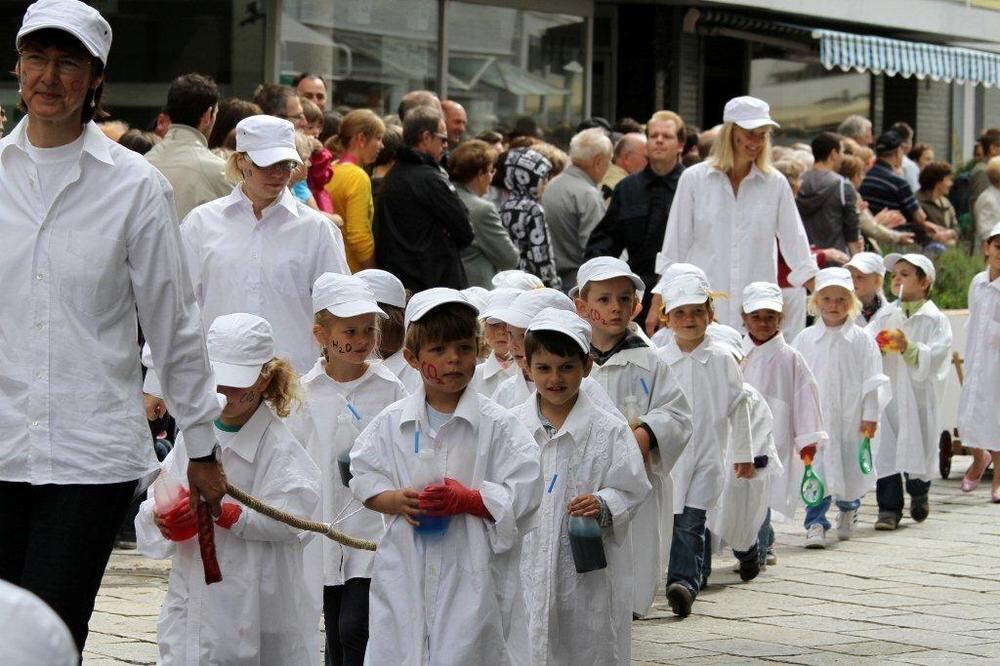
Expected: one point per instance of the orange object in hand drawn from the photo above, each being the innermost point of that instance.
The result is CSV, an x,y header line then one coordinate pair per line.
x,y
888,340
808,453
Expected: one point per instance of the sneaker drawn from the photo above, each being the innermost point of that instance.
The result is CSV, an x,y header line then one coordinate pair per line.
x,y
919,508
680,599
886,522
815,536
749,569
848,521
771,557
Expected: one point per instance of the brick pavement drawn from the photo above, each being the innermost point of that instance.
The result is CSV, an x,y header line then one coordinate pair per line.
x,y
925,594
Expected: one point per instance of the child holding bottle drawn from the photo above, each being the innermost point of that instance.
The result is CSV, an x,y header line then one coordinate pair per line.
x,y
457,478
255,614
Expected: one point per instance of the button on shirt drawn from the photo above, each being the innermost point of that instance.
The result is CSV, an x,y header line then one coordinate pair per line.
x,y
731,236
74,273
264,267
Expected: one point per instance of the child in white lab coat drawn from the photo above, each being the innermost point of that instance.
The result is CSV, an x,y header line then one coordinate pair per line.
x,y
341,395
784,379
708,374
499,365
915,338
457,477
852,390
391,296
255,615
592,471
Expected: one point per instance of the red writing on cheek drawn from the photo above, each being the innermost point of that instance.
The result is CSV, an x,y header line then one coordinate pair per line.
x,y
430,373
596,317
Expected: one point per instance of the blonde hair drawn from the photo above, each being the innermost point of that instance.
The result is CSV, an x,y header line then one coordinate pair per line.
x,y
282,386
326,319
993,171
558,158
669,117
363,122
723,155
852,311
232,172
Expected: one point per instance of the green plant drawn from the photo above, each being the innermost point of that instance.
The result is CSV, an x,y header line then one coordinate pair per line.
x,y
955,270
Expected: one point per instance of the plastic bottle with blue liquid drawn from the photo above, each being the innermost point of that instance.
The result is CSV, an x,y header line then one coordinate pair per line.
x,y
427,474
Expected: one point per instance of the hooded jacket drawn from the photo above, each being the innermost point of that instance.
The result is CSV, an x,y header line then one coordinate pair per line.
x,y
523,217
828,206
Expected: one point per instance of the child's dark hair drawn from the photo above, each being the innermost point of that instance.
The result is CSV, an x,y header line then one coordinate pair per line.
x,y
553,342
393,330
445,323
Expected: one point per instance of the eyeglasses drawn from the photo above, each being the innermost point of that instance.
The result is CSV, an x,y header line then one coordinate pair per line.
x,y
443,137
278,167
294,118
34,63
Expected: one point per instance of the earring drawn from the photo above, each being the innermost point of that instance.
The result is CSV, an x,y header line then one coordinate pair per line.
x,y
93,104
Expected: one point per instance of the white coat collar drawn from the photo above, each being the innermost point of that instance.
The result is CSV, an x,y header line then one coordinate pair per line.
x,y
186,134
415,408
844,330
995,284
247,440
94,142
237,198
578,422
491,366
375,369
671,353
767,349
638,355
928,309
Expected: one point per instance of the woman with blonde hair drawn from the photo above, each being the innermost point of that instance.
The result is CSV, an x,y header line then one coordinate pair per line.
x,y
728,211
358,142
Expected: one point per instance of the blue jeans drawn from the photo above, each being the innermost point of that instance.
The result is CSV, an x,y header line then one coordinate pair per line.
x,y
765,538
817,514
688,550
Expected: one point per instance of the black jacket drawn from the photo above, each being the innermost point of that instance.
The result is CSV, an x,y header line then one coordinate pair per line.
x,y
420,225
636,220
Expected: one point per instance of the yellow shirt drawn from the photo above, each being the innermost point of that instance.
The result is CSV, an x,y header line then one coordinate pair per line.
x,y
351,193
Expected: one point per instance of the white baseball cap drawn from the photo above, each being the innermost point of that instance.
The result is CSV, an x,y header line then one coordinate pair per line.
x,y
918,260
762,296
516,279
995,231
673,270
239,345
496,300
423,302
386,286
604,268
687,289
476,296
567,323
867,263
748,112
344,296
726,337
834,277
523,309
267,140
72,16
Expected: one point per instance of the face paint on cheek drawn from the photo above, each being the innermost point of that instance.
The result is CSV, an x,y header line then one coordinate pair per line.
x,y
430,373
596,317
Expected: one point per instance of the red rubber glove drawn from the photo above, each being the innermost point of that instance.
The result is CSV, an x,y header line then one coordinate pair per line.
x,y
231,512
179,521
808,453
451,498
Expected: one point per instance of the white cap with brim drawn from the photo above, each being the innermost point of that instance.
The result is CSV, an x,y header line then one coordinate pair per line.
x,y
687,289
523,309
673,270
425,301
78,19
918,260
762,296
748,112
567,323
344,296
497,300
517,279
477,296
267,140
995,231
726,337
604,268
239,345
834,277
387,287
867,263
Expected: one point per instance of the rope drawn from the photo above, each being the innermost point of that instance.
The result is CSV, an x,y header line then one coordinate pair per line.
x,y
326,529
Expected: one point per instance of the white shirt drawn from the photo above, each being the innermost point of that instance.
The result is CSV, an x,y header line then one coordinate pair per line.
x,y
434,599
978,416
255,615
732,237
407,374
70,385
490,374
264,267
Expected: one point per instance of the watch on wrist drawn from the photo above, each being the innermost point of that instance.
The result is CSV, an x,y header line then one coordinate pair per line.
x,y
214,456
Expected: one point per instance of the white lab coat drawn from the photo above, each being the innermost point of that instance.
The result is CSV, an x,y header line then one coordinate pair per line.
x,y
737,519
315,425
710,378
407,374
667,413
847,366
30,631
978,415
581,618
911,426
256,615
780,373
434,599
490,374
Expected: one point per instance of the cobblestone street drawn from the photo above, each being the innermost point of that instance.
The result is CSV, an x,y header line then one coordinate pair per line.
x,y
925,594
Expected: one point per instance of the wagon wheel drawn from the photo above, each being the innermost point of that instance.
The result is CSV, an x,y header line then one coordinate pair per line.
x,y
944,454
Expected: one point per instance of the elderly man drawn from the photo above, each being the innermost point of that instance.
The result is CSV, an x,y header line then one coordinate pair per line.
x,y
311,87
415,98
858,128
573,203
455,120
629,158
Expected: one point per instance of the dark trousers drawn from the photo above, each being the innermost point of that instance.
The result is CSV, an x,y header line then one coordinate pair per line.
x,y
57,540
889,492
345,615
690,551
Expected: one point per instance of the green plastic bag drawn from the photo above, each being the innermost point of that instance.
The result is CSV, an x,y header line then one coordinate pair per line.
x,y
865,456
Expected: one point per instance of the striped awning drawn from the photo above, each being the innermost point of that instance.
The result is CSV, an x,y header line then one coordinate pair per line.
x,y
895,57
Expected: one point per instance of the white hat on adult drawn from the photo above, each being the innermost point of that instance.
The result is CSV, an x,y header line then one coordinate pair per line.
x,y
748,112
78,19
267,140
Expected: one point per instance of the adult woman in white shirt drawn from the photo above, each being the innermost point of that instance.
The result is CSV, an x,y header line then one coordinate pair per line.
x,y
987,207
258,250
729,210
90,239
